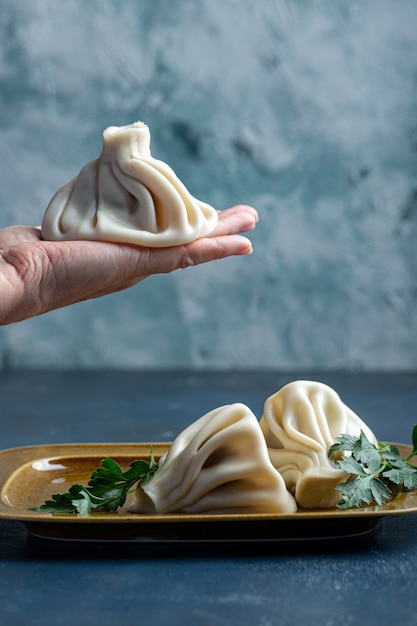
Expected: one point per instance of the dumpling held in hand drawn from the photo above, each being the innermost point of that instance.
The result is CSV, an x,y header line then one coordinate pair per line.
x,y
219,464
127,196
300,422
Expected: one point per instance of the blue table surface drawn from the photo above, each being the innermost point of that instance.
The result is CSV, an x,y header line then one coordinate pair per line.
x,y
369,578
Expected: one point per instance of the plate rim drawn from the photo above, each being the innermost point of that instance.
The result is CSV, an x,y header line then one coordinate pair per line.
x,y
21,455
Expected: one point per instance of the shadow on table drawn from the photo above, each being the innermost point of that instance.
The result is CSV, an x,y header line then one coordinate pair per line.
x,y
387,535
390,534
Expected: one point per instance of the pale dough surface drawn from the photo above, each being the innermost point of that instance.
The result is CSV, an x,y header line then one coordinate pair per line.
x,y
127,196
300,422
219,464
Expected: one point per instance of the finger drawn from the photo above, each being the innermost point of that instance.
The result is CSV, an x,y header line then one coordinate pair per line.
x,y
212,249
165,260
13,235
237,219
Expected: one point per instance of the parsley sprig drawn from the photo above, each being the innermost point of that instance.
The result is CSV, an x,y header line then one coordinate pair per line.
x,y
107,488
377,473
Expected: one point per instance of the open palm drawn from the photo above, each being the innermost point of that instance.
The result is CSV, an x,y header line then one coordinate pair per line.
x,y
37,276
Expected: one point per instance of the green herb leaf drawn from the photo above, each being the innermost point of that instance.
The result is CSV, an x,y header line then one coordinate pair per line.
x,y
414,440
345,443
376,472
393,456
363,490
108,488
405,475
60,503
367,453
351,466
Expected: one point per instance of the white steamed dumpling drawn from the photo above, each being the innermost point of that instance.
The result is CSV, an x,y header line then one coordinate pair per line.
x,y
127,196
300,422
219,464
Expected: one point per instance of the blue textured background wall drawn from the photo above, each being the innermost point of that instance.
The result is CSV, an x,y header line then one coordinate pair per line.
x,y
306,109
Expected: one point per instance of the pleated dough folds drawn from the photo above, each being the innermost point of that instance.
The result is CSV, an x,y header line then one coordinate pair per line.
x,y
219,464
127,196
300,422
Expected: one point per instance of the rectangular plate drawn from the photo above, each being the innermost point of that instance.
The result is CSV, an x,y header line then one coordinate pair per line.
x,y
30,475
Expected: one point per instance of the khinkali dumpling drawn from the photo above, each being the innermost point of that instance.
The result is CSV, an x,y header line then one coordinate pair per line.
x,y
127,196
219,464
300,422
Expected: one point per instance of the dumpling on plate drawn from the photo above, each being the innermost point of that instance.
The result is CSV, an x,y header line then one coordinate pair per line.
x,y
127,196
300,422
219,464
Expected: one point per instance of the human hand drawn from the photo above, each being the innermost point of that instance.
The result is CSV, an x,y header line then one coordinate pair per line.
x,y
37,276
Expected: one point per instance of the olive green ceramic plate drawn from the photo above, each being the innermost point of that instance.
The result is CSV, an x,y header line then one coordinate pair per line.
x,y
29,475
